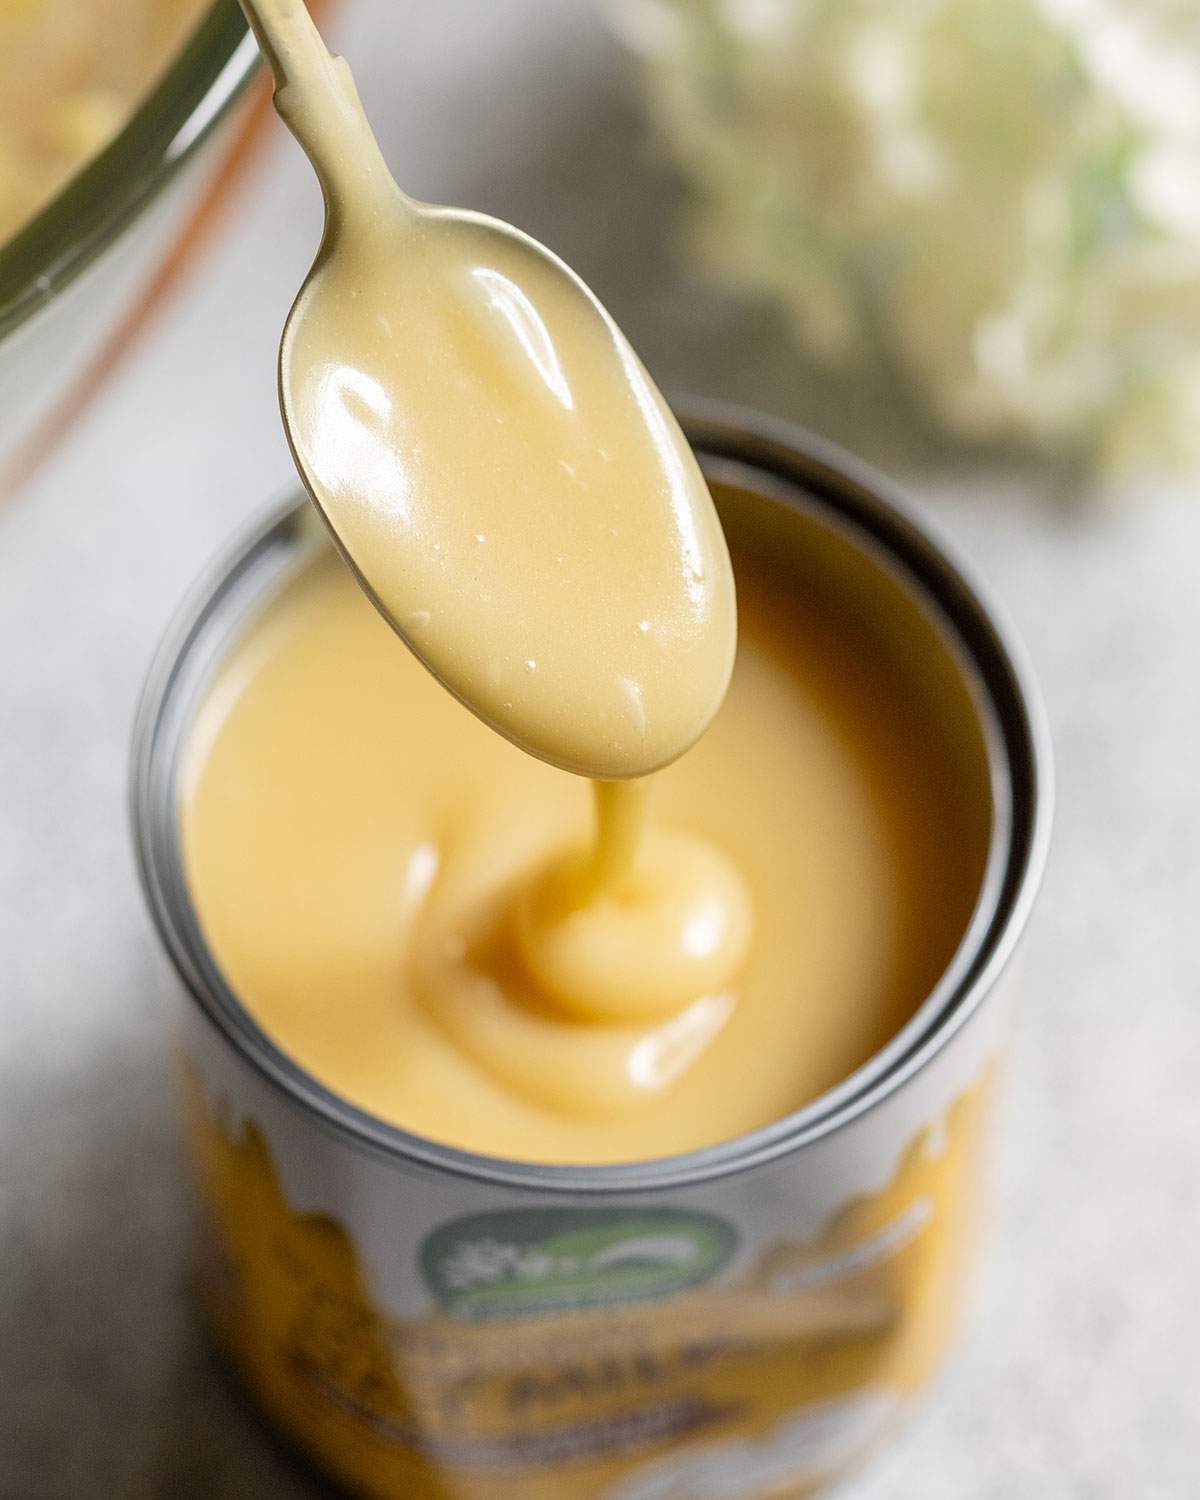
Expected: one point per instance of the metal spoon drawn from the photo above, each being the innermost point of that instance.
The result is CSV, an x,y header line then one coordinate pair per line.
x,y
491,457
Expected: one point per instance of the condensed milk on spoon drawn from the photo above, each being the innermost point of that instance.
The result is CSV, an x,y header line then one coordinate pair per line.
x,y
492,458
515,496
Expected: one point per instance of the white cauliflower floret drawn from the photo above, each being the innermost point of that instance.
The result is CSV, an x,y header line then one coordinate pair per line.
x,y
1002,196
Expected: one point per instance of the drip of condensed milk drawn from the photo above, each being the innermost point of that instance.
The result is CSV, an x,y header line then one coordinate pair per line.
x,y
514,495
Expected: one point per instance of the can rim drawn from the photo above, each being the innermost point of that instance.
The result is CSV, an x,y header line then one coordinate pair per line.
x,y
852,492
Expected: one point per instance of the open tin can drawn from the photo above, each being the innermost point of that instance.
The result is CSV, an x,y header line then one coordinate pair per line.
x,y
736,1323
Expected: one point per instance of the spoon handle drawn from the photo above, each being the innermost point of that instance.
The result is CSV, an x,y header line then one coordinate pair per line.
x,y
316,99
289,40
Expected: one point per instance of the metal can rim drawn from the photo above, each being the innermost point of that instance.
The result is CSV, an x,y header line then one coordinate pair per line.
x,y
854,492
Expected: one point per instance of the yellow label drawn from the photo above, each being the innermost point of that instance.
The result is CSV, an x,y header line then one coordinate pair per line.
x,y
779,1369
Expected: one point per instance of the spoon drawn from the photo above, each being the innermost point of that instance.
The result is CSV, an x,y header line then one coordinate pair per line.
x,y
491,457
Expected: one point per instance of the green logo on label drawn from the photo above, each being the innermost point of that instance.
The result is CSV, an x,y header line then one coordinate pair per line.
x,y
501,1265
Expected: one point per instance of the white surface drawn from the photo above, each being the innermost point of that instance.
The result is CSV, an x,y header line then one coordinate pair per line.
x,y
1077,1376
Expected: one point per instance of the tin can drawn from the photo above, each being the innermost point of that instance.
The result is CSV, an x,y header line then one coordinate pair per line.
x,y
737,1323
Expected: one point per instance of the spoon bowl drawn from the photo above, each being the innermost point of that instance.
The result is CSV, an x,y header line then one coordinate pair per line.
x,y
451,392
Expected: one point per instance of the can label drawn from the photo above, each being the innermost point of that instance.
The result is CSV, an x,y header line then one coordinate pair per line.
x,y
639,1351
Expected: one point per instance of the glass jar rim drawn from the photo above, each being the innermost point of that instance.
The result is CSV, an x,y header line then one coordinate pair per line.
x,y
99,202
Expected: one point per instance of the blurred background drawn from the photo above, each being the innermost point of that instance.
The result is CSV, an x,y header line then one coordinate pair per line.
x,y
962,238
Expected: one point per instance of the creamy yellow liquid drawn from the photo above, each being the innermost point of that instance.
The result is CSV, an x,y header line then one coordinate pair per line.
x,y
513,490
359,850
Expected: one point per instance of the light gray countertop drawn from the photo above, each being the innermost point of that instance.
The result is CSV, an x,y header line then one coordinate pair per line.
x,y
1076,1377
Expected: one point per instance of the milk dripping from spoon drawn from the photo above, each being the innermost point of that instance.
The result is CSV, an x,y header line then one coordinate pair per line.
x,y
514,495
